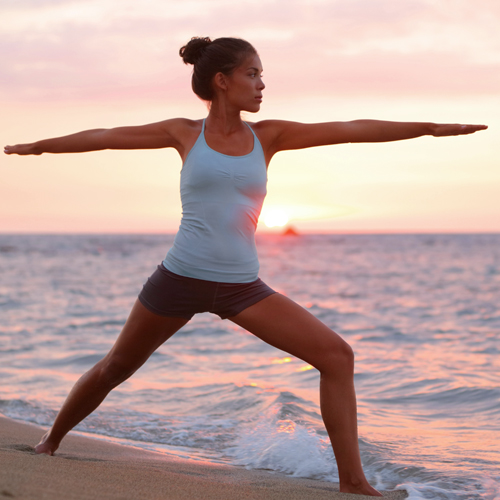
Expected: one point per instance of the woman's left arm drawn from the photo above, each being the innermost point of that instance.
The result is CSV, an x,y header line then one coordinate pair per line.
x,y
293,135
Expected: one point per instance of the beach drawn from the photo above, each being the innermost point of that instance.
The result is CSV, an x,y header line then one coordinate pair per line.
x,y
85,468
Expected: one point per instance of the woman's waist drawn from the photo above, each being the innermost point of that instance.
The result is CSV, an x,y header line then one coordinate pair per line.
x,y
213,261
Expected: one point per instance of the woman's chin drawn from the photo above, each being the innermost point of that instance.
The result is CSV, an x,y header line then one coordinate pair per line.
x,y
253,109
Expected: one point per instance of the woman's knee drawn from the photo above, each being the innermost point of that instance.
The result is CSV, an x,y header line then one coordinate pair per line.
x,y
337,359
112,371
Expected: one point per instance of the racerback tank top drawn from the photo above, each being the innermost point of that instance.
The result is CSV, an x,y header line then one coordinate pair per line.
x,y
221,199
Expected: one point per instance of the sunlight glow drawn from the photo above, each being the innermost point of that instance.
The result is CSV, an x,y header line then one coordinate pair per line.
x,y
287,426
280,361
274,217
305,368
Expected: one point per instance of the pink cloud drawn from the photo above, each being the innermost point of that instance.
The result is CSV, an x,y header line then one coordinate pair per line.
x,y
368,47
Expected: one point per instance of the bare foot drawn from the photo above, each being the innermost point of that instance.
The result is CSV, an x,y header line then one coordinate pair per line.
x,y
46,446
360,489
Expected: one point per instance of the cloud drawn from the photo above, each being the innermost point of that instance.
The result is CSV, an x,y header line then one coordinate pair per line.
x,y
30,4
59,50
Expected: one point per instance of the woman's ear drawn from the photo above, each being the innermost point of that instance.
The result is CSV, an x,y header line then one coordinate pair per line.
x,y
220,81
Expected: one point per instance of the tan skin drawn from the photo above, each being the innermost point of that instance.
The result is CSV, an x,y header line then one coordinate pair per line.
x,y
277,320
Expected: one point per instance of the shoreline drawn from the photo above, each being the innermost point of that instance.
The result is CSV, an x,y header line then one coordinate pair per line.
x,y
86,468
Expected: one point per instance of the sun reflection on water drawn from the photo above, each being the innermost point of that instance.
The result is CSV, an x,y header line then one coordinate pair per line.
x,y
286,426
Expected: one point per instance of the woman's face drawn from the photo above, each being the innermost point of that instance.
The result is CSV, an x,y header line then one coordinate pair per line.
x,y
245,85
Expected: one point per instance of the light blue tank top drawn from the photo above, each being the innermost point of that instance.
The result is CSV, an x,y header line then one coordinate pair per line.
x,y
221,198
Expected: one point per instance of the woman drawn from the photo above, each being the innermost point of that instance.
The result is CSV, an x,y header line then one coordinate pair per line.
x,y
213,264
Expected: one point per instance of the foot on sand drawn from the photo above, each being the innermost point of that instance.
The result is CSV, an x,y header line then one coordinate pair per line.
x,y
46,446
360,489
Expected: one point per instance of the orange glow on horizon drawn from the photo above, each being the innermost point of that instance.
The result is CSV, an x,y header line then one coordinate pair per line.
x,y
274,217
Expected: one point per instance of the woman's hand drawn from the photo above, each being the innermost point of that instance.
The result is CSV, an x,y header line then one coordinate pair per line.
x,y
21,149
446,129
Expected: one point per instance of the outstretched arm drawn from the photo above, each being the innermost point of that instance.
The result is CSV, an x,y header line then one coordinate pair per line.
x,y
156,135
294,135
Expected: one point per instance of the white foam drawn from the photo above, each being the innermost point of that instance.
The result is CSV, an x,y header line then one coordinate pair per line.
x,y
284,446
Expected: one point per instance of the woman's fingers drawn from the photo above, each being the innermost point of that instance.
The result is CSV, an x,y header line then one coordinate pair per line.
x,y
20,149
456,129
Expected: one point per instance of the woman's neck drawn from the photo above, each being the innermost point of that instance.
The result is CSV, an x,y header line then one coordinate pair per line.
x,y
222,120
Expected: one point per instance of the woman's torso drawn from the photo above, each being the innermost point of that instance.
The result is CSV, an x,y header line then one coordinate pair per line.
x,y
222,197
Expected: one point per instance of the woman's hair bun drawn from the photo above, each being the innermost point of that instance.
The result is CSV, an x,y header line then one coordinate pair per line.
x,y
193,50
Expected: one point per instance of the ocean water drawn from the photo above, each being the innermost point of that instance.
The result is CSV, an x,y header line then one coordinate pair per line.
x,y
421,312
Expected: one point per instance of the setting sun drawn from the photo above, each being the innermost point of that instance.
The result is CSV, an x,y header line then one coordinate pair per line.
x,y
274,217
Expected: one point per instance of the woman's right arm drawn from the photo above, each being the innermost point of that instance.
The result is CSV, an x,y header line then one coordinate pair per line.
x,y
155,135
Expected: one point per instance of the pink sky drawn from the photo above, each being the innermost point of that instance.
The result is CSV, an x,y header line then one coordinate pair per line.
x,y
73,65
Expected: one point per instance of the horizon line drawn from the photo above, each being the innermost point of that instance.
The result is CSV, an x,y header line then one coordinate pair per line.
x,y
261,232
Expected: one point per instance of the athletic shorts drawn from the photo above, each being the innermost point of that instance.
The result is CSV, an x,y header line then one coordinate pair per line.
x,y
168,294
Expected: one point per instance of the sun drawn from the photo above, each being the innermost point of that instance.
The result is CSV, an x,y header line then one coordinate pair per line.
x,y
275,217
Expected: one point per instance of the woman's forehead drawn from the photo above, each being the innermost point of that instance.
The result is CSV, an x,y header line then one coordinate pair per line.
x,y
252,62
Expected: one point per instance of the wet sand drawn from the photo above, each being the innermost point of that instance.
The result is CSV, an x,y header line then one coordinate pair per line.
x,y
85,468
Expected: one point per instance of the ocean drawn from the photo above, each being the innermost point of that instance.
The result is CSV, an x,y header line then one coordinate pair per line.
x,y
420,311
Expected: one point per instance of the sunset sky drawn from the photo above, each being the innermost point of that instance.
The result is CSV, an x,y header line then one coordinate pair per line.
x,y
80,64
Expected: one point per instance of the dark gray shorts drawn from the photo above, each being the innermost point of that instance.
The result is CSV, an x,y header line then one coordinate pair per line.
x,y
169,294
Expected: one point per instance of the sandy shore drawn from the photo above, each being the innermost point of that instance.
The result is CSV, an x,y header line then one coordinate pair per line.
x,y
92,469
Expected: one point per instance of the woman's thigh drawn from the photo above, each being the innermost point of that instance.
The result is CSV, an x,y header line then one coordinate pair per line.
x,y
284,324
143,332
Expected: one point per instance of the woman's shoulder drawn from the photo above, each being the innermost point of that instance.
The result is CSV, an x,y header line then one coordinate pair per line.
x,y
271,127
268,130
182,130
185,133
182,124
